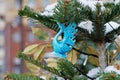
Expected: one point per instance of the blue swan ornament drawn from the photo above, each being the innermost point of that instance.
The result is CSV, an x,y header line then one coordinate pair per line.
x,y
61,47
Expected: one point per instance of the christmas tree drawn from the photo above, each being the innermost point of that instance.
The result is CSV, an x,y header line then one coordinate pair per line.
x,y
88,32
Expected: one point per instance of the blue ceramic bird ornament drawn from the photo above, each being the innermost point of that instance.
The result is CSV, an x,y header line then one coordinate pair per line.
x,y
61,47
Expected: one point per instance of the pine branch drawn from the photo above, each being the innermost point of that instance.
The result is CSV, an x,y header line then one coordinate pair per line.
x,y
66,11
21,77
83,34
100,17
111,12
37,63
111,35
78,77
67,68
110,76
45,20
86,12
84,73
98,23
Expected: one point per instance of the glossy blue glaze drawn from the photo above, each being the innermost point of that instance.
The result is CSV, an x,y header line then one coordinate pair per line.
x,y
61,47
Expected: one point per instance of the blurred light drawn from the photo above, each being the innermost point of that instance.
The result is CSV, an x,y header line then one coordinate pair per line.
x,y
17,61
16,21
17,37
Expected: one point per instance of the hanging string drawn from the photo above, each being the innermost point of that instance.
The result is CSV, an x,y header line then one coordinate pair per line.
x,y
85,53
84,74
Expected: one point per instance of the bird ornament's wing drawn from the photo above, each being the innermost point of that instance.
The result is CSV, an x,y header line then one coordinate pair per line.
x,y
69,34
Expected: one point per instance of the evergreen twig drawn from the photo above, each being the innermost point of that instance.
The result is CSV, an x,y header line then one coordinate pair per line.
x,y
37,63
45,20
84,73
22,77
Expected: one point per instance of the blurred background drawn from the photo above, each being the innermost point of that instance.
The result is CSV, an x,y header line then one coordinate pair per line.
x,y
15,33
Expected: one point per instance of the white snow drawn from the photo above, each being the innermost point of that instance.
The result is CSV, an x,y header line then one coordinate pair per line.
x,y
50,55
93,72
86,25
111,25
91,3
117,1
49,10
111,68
89,27
43,77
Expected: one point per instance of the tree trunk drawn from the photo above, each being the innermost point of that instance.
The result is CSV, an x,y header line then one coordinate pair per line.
x,y
102,55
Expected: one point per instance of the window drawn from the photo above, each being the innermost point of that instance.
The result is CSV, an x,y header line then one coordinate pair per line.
x,y
17,63
16,21
17,37
31,3
18,4
1,66
46,2
1,32
31,37
2,40
2,53
31,23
